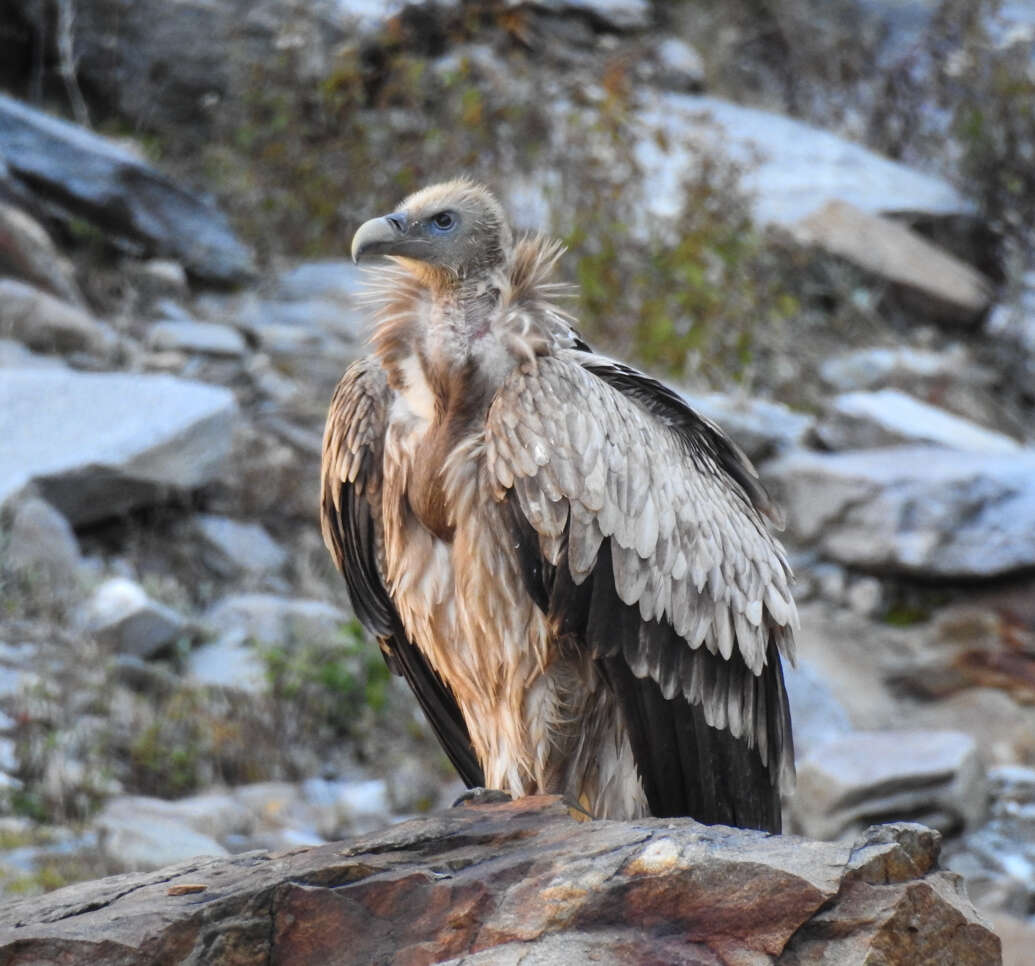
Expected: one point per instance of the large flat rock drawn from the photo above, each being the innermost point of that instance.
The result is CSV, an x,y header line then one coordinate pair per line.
x,y
97,444
524,882
918,510
95,178
789,169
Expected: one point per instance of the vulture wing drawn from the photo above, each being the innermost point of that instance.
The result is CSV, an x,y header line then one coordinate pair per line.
x,y
640,532
350,506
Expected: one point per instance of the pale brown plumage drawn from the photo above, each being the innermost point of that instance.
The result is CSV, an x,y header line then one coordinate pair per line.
x,y
570,566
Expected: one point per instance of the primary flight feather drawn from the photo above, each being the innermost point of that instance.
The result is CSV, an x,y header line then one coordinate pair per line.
x,y
571,568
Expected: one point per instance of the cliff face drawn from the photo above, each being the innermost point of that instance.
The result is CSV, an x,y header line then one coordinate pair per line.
x,y
524,883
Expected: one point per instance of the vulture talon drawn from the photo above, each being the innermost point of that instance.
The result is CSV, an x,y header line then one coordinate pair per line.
x,y
482,796
572,568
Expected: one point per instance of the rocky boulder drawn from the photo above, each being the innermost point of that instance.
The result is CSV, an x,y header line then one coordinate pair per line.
x,y
97,444
88,176
913,509
524,882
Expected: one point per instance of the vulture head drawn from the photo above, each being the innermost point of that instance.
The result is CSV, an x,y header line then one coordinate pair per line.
x,y
456,226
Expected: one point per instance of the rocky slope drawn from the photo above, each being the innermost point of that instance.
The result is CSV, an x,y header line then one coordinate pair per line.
x,y
179,673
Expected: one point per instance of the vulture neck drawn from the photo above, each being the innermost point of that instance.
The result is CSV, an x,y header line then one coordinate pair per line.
x,y
456,339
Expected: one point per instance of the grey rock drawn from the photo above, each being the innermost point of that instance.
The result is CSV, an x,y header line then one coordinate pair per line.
x,y
27,252
937,283
903,367
122,616
135,838
617,14
14,355
231,661
41,321
679,66
98,444
232,546
758,426
269,619
94,178
158,278
202,337
41,542
865,596
866,777
817,714
789,169
912,509
864,420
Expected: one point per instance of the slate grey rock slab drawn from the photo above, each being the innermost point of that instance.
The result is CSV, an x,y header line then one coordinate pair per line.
x,y
918,510
789,169
617,14
97,444
206,338
864,420
95,178
233,546
866,777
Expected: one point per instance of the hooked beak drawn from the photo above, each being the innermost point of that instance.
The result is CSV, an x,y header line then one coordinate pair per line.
x,y
379,236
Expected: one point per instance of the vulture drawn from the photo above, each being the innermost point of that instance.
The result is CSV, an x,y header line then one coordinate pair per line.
x,y
570,567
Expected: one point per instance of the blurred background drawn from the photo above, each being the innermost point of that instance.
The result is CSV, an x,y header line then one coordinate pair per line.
x,y
815,217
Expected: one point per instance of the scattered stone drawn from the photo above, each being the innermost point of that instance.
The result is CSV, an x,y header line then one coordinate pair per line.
x,y
914,510
27,252
523,880
679,66
866,777
122,616
231,661
204,337
788,168
41,543
940,285
864,420
269,619
159,279
759,427
232,546
865,596
413,787
146,677
92,177
98,444
41,321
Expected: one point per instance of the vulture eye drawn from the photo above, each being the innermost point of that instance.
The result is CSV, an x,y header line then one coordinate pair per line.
x,y
443,221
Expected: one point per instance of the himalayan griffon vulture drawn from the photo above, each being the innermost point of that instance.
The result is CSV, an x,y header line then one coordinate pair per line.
x,y
569,566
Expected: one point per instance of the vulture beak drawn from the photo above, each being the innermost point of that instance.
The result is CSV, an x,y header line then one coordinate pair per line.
x,y
379,236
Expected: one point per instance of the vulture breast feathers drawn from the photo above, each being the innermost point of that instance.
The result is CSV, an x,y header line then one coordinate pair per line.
x,y
571,568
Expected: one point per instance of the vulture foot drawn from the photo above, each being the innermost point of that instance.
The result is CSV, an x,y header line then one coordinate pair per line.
x,y
482,796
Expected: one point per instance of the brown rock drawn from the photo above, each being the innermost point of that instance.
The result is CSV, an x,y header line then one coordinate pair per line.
x,y
27,252
48,324
934,281
523,882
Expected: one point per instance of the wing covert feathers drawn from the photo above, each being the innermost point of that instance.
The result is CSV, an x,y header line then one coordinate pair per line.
x,y
652,522
352,530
